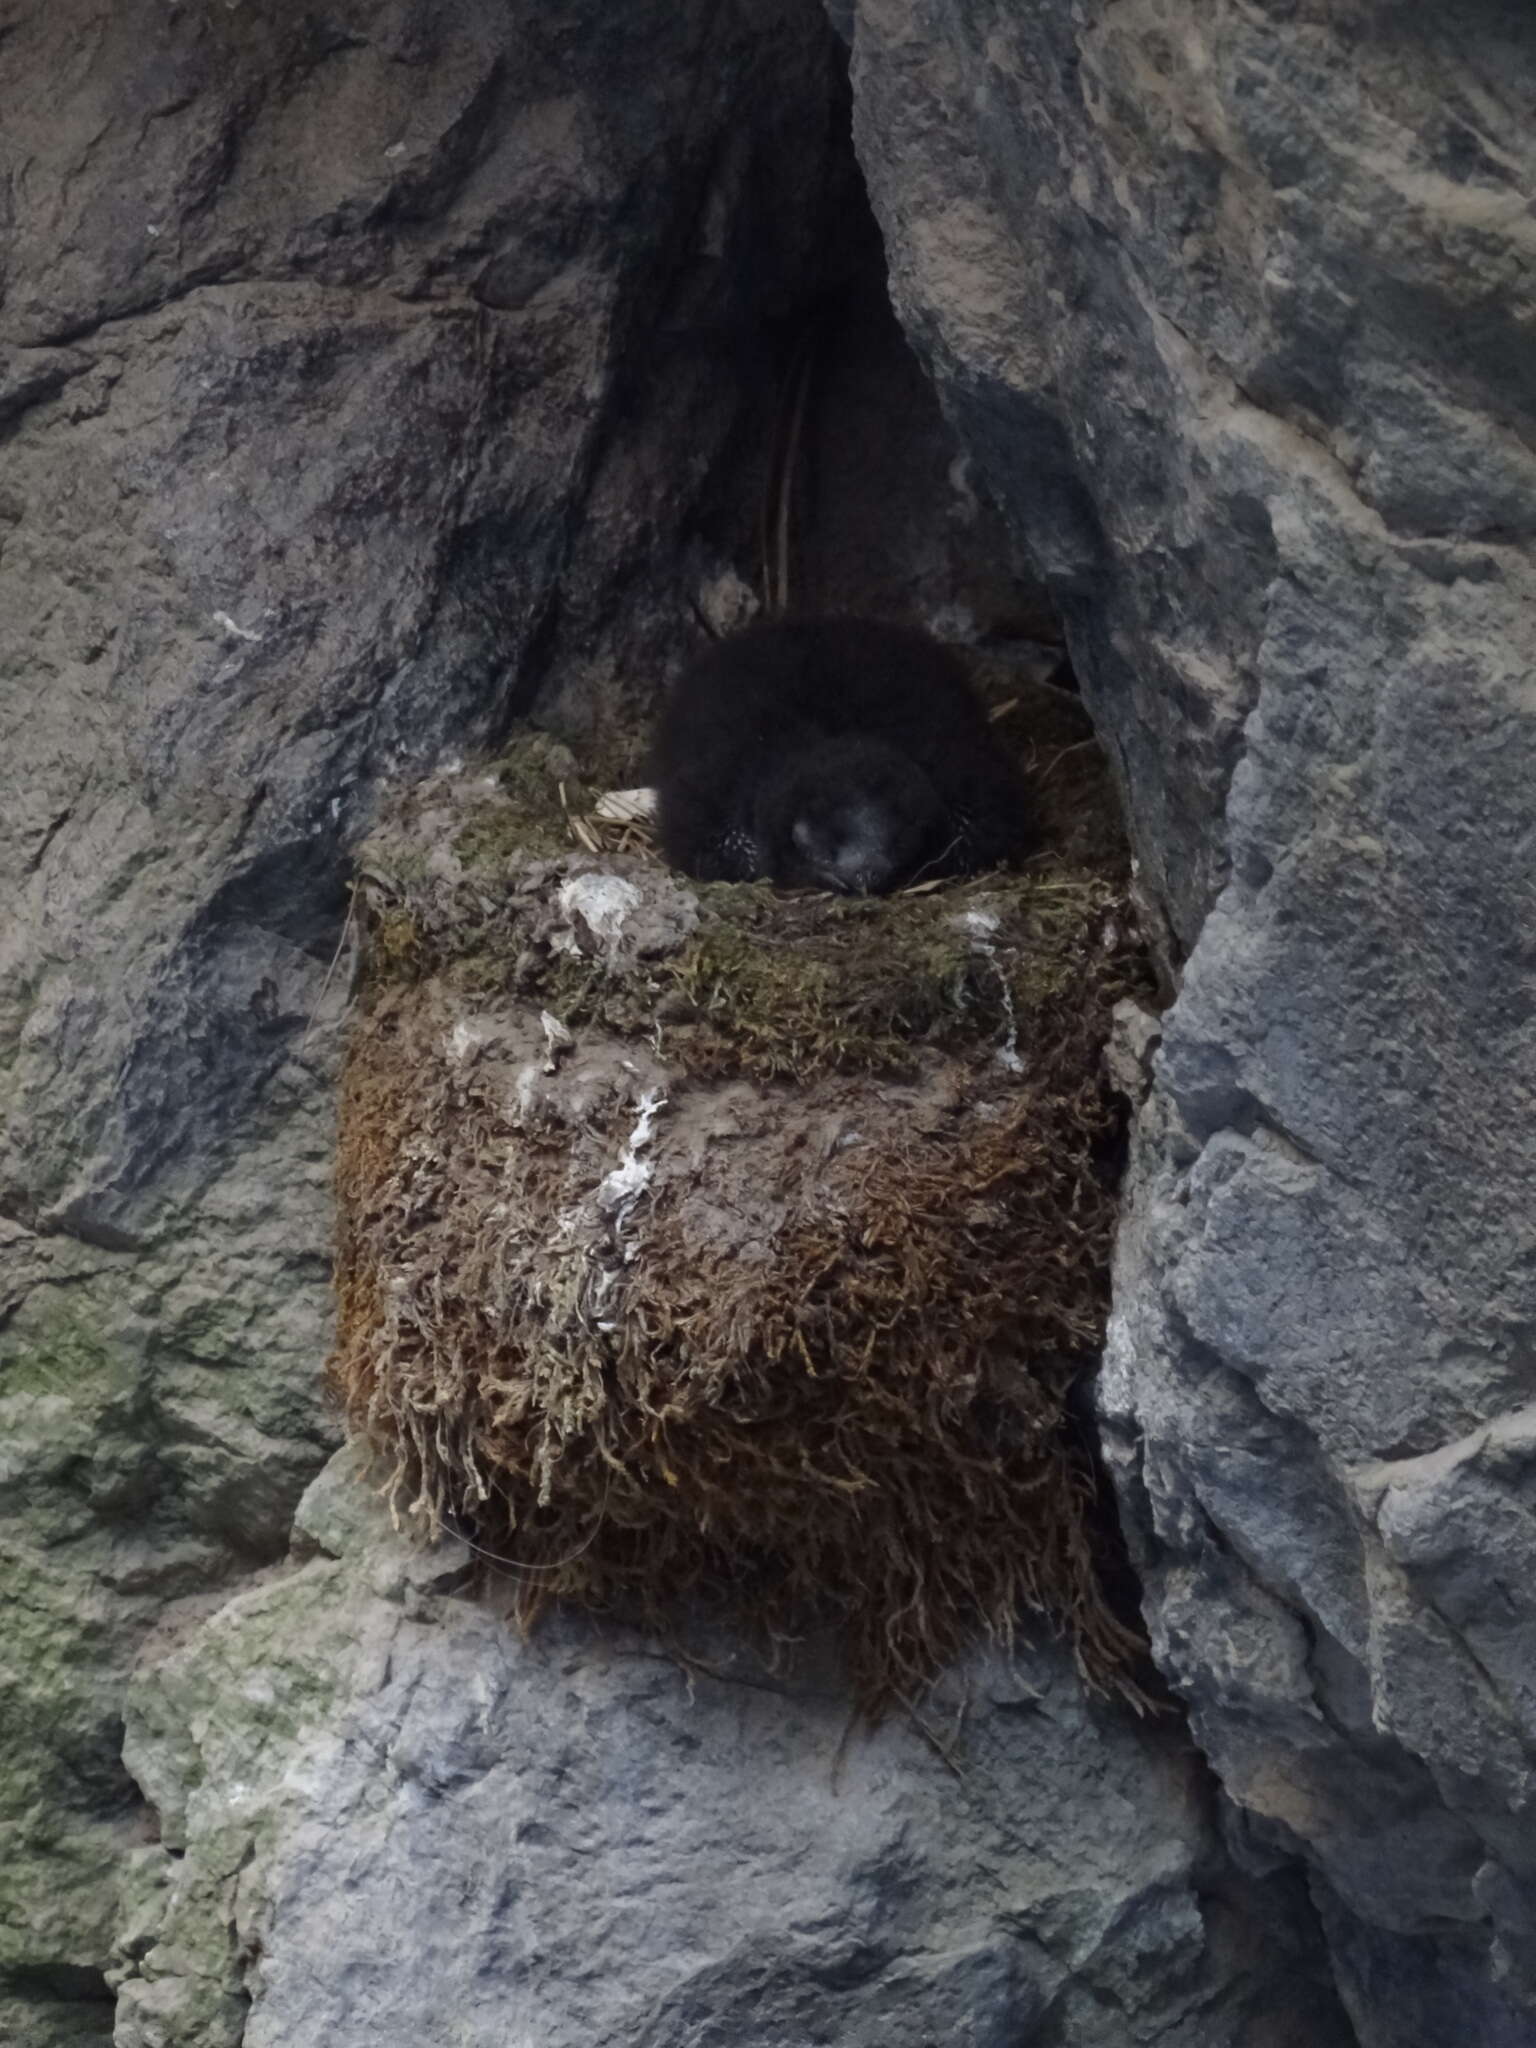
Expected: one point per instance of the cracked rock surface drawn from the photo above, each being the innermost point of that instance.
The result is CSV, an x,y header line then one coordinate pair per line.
x,y
386,1818
316,340
372,375
1233,305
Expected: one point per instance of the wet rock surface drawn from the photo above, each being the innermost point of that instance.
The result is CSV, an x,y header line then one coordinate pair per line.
x,y
1225,300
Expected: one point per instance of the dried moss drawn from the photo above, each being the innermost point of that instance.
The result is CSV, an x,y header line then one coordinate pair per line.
x,y
776,988
537,791
821,1370
769,984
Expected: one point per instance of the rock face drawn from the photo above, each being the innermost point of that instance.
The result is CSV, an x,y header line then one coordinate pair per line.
x,y
319,341
1233,305
370,376
444,1836
364,376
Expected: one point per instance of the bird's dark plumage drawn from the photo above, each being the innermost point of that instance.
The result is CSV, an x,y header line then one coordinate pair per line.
x,y
834,753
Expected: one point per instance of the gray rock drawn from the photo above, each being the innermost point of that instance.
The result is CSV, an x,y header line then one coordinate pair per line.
x,y
1224,301
386,1818
365,376
318,341
366,379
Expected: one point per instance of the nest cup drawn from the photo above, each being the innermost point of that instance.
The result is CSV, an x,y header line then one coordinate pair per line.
x,y
707,1251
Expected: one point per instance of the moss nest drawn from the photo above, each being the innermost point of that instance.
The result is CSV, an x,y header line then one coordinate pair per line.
x,y
705,1248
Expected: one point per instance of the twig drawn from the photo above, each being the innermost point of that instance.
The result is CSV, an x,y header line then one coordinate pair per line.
x,y
346,926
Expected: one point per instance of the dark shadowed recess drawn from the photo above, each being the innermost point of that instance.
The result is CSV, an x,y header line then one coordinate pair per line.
x,y
827,430
611,427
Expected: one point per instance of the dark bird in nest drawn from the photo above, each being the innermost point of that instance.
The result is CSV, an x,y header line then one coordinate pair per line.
x,y
837,754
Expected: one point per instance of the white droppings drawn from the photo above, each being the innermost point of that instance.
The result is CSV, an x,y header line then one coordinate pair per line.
x,y
620,1190
983,927
525,1092
1007,1055
557,1039
462,1041
240,632
602,902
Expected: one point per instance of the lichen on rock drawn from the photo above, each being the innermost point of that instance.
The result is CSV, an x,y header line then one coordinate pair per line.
x,y
709,1248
